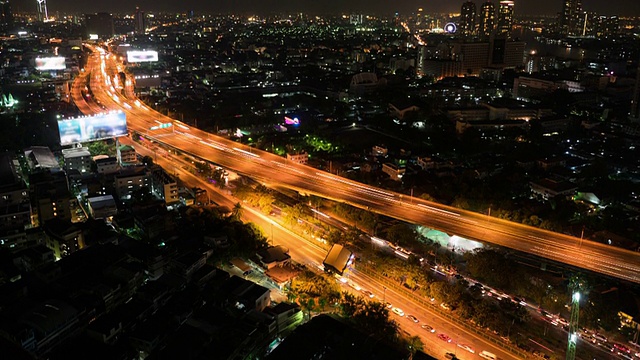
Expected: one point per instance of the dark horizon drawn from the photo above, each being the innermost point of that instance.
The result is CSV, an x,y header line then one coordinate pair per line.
x,y
377,7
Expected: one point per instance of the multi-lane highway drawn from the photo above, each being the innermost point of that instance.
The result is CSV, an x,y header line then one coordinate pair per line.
x,y
272,169
308,252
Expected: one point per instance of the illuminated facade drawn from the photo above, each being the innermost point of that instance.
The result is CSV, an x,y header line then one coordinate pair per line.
x,y
571,18
505,17
139,26
468,19
487,19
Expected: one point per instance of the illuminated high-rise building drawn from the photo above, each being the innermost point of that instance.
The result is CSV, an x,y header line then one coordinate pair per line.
x,y
635,101
487,19
505,17
6,17
139,26
571,18
468,18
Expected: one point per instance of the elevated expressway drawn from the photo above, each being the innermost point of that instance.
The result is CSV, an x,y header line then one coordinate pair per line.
x,y
273,169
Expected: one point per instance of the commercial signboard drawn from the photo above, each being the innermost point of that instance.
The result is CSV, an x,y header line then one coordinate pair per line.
x,y
134,56
92,128
50,63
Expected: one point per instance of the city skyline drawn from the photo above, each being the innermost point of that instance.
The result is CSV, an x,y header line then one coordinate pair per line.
x,y
528,7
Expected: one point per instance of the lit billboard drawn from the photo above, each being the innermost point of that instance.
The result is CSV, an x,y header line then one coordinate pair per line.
x,y
93,37
50,63
92,128
134,56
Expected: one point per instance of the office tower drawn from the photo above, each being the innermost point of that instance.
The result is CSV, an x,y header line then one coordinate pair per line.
x,y
43,14
6,17
139,26
571,19
487,19
100,24
505,17
635,101
468,18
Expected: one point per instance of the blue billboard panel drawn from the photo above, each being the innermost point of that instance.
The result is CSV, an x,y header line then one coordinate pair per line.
x,y
92,128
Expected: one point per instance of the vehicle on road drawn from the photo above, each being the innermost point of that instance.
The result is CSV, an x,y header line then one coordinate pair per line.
x,y
488,355
355,286
445,306
450,356
368,293
388,305
444,337
397,311
413,318
467,347
428,328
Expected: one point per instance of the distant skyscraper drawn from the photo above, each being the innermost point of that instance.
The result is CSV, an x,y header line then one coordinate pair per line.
x,y
635,101
43,14
468,18
356,19
139,26
572,17
6,17
100,24
505,17
487,19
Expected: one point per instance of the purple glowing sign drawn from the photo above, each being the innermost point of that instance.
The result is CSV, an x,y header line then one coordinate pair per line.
x,y
290,121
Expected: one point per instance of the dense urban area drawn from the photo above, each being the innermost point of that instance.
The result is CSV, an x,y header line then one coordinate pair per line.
x,y
312,186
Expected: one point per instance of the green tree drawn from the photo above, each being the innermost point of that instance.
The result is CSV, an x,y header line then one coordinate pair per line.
x,y
414,344
237,211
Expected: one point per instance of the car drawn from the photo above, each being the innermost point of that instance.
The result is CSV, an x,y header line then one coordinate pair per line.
x,y
444,337
488,355
413,318
397,311
450,356
388,305
619,348
467,347
445,306
368,293
428,328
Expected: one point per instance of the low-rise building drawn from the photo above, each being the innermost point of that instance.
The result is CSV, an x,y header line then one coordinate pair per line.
x,y
107,165
549,188
394,171
126,155
102,207
130,179
274,256
164,186
379,150
63,237
78,159
300,157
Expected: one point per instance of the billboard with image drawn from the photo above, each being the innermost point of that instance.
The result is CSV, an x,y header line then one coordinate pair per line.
x,y
92,128
134,56
50,63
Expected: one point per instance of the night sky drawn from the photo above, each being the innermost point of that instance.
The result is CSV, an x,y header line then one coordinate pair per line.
x,y
608,7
